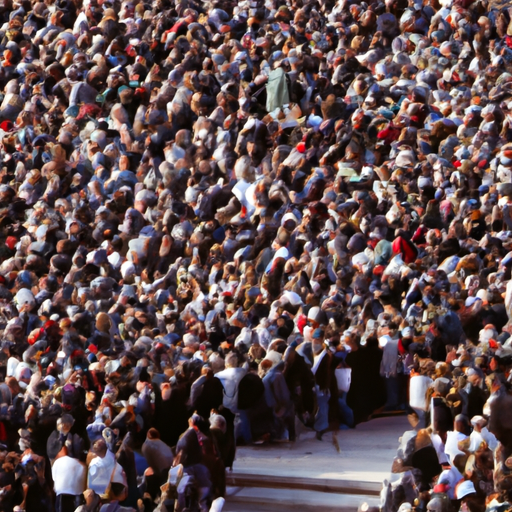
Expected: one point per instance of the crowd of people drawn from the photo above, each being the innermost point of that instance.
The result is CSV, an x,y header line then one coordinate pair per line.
x,y
220,218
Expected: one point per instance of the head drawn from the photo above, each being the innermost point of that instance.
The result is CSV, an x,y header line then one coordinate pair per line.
x,y
218,422
117,491
231,360
99,448
65,423
195,420
153,434
318,341
461,423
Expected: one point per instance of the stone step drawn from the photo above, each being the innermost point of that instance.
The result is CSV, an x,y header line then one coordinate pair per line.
x,y
316,483
263,499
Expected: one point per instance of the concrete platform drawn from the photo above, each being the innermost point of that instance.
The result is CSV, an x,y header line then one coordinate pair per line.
x,y
338,473
365,454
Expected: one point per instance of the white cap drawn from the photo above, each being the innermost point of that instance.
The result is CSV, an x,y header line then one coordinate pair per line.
x,y
465,488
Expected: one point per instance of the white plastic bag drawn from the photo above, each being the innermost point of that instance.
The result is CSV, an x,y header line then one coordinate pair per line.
x,y
418,386
343,378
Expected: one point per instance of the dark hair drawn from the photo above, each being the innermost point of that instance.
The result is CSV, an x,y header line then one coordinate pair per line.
x,y
153,433
117,489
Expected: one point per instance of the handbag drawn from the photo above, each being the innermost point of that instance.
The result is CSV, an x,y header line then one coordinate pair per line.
x,y
343,378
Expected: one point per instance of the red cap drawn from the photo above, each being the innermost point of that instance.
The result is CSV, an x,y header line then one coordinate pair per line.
x,y
378,270
301,147
301,323
6,126
11,241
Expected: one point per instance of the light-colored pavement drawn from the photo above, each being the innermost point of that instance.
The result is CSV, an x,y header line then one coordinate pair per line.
x,y
335,474
365,454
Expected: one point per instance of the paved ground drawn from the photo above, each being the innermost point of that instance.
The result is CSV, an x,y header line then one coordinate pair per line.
x,y
335,474
365,453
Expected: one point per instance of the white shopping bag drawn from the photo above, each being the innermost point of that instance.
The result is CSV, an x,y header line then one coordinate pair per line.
x,y
343,378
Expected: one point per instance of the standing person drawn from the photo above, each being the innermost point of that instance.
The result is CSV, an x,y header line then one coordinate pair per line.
x,y
256,416
322,363
158,455
300,380
389,371
206,393
342,375
277,396
69,481
104,470
197,480
367,392
230,379
63,436
171,414
92,501
118,493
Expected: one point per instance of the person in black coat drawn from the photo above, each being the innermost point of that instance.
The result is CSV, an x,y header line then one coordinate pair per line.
x,y
322,370
61,436
367,390
188,449
171,413
252,404
297,374
206,393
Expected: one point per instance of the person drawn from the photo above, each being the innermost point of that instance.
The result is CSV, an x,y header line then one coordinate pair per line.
x,y
92,501
62,436
230,379
158,455
196,486
184,186
366,393
103,469
278,399
117,492
481,435
343,376
69,479
322,362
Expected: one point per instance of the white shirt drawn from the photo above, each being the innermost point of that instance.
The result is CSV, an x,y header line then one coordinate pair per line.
x,y
230,378
69,476
451,447
478,437
439,447
101,473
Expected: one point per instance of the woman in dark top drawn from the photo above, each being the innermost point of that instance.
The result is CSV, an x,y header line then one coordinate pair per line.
x,y
367,390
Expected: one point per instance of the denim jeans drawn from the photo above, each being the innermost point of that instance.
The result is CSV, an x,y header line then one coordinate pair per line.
x,y
243,427
322,413
346,413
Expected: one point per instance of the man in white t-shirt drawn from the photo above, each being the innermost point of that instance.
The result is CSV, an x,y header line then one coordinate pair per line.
x,y
70,478
104,469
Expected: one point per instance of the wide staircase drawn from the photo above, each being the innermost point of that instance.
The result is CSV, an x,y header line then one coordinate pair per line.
x,y
340,473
